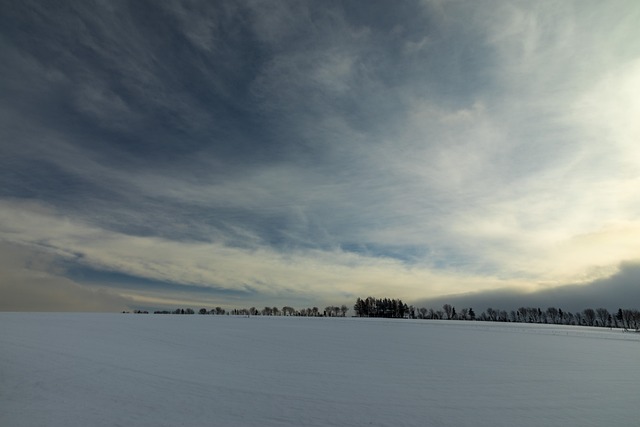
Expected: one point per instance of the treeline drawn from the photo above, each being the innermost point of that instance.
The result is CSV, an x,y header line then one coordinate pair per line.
x,y
386,307
329,311
396,309
623,318
392,308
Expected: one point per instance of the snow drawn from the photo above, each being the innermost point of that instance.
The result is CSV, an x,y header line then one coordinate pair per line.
x,y
172,370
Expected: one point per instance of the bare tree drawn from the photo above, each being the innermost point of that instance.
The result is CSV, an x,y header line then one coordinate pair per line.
x,y
631,319
412,312
343,310
636,319
577,318
523,314
603,316
589,316
552,315
448,310
288,311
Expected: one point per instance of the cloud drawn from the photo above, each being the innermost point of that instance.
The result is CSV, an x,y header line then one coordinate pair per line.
x,y
619,290
31,282
427,149
306,275
523,173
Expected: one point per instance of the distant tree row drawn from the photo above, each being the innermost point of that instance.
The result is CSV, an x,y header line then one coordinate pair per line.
x,y
623,318
329,311
395,308
176,311
447,312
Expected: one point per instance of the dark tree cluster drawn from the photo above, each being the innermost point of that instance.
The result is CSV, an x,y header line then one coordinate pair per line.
x,y
382,307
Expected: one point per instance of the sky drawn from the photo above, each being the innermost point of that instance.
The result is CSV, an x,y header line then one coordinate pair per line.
x,y
260,153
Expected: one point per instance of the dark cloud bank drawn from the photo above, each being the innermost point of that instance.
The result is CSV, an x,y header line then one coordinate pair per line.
x,y
622,290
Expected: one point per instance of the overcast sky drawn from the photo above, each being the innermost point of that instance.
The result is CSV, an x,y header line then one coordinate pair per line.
x,y
239,153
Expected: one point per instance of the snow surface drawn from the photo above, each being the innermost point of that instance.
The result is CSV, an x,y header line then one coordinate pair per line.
x,y
171,370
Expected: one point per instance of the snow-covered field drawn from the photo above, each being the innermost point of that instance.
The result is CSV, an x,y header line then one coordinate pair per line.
x,y
170,370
